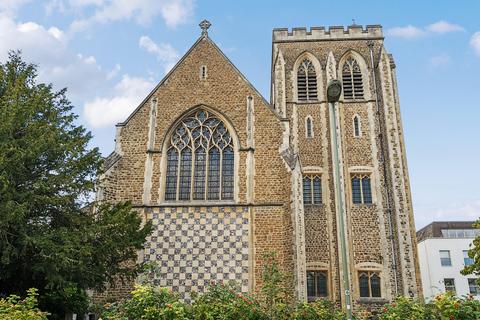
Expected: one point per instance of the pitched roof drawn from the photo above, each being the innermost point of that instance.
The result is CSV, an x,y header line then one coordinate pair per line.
x,y
201,38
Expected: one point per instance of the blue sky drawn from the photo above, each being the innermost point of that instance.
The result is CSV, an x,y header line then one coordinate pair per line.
x,y
110,54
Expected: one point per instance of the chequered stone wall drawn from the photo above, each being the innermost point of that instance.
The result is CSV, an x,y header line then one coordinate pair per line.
x,y
193,246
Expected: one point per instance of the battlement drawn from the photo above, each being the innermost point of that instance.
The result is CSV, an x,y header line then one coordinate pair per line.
x,y
332,33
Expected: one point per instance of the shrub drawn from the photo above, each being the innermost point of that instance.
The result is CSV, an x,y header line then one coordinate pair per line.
x,y
404,308
443,307
148,303
318,310
13,308
224,302
447,306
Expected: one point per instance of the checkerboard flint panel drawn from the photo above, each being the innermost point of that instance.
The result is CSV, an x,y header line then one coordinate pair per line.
x,y
194,246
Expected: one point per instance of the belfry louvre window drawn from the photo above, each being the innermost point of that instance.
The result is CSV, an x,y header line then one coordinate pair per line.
x,y
361,189
317,285
306,82
312,190
352,80
369,284
200,160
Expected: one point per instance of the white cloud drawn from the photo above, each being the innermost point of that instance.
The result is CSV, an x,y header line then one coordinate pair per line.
x,y
425,214
442,27
12,5
475,42
462,211
57,64
164,52
54,6
440,60
412,32
126,96
174,12
113,73
408,32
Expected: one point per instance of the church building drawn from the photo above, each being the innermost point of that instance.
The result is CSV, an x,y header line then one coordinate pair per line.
x,y
226,176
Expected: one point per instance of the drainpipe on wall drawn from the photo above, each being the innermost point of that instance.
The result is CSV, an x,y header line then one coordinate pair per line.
x,y
334,91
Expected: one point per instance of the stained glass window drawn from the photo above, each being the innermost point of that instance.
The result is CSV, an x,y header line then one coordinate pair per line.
x,y
200,160
306,81
352,80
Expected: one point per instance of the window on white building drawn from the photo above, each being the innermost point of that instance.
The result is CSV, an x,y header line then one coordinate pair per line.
x,y
449,285
466,259
460,233
473,287
445,259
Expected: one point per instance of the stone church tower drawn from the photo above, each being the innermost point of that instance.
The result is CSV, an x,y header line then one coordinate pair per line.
x,y
226,177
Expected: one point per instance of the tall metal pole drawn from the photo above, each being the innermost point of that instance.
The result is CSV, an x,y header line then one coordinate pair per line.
x,y
334,91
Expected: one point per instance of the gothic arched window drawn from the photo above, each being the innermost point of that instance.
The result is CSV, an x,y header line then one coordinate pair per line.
x,y
200,160
356,126
306,81
352,80
309,127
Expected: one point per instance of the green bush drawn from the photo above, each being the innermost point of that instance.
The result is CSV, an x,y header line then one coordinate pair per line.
x,y
318,310
13,308
224,302
442,307
148,303
273,302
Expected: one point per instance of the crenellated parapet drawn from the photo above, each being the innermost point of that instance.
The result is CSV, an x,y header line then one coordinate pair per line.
x,y
352,32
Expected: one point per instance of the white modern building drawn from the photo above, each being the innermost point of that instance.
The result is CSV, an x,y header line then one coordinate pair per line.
x,y
443,253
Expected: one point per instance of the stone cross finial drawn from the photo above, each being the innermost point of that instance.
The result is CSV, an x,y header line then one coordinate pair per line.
x,y
204,25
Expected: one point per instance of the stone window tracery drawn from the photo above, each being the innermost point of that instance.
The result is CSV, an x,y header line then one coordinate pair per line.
x,y
317,285
200,160
369,284
361,189
352,80
306,81
312,190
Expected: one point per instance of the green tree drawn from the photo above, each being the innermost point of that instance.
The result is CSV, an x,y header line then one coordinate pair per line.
x,y
474,253
48,238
